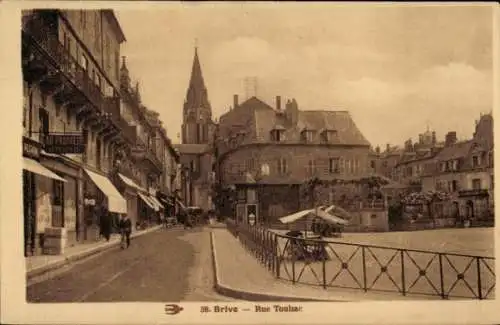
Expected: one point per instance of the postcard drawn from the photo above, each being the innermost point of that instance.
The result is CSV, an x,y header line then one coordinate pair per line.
x,y
248,162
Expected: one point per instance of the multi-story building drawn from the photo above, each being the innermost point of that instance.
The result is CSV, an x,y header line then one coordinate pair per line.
x,y
196,150
70,89
265,153
465,170
84,133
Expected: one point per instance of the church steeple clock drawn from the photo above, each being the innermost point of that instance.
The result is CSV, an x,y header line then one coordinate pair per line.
x,y
197,114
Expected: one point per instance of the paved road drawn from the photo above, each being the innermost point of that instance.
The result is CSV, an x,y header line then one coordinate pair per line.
x,y
167,265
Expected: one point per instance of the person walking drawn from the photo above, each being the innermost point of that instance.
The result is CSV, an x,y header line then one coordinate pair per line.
x,y
125,226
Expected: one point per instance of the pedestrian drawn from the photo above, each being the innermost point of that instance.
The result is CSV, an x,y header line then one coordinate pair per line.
x,y
162,220
105,222
125,226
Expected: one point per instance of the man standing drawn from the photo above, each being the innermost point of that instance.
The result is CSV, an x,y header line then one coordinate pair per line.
x,y
125,226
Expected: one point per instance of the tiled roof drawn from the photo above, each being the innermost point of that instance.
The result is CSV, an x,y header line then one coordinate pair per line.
x,y
456,151
188,148
341,121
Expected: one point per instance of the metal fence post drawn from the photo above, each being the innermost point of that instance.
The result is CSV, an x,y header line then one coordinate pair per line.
x,y
479,284
441,275
403,282
277,255
364,268
324,272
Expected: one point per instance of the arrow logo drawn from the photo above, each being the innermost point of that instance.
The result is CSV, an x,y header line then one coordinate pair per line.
x,y
171,309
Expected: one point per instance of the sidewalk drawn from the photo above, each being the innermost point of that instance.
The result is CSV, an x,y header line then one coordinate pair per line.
x,y
40,264
238,274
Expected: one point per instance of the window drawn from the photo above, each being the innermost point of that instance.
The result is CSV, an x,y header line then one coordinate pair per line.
x,y
44,121
476,184
306,136
58,193
97,39
453,186
443,166
490,159
282,166
334,165
98,153
475,161
328,135
276,135
85,142
84,62
311,167
83,18
99,82
250,164
372,164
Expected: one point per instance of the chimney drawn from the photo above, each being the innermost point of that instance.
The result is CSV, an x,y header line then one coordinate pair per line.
x,y
377,150
451,138
387,147
278,103
235,101
420,138
434,139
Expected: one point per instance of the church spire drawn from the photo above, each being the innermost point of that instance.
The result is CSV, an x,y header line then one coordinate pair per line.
x,y
197,113
197,96
196,75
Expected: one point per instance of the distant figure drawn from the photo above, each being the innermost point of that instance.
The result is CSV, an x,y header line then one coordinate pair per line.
x,y
125,226
105,222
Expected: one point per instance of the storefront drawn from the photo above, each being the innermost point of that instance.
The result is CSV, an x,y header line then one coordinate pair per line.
x,y
38,195
141,208
99,190
67,204
167,202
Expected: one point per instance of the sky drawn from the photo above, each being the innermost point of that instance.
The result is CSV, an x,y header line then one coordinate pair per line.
x,y
397,69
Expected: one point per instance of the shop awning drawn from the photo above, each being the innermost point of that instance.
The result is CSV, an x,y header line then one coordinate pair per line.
x,y
116,202
131,183
157,203
37,168
147,200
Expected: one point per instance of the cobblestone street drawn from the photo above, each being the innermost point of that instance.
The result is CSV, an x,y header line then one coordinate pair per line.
x,y
166,265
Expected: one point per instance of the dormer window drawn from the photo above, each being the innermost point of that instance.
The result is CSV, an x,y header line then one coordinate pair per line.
x,y
307,136
277,134
328,136
476,161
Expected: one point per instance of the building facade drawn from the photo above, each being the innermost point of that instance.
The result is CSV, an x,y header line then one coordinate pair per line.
x,y
465,170
266,153
76,141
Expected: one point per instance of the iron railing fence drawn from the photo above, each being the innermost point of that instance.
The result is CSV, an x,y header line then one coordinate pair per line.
x,y
408,272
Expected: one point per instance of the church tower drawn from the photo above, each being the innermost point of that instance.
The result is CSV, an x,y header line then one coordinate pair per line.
x,y
197,125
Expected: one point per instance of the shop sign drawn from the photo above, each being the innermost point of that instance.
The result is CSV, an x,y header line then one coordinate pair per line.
x,y
64,143
31,148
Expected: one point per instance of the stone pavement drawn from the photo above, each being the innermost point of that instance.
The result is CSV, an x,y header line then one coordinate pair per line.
x,y
40,264
240,275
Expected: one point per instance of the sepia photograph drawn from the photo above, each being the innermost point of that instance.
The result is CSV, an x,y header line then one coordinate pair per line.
x,y
253,158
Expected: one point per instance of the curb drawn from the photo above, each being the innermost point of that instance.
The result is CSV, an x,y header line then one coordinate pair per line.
x,y
249,295
81,255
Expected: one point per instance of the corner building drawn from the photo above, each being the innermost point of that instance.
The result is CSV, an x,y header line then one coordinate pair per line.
x,y
265,153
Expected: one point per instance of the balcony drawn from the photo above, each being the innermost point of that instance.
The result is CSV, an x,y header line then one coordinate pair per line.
x,y
46,61
474,193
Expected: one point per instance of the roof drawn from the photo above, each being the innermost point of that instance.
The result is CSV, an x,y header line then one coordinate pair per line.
x,y
192,148
458,150
266,119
